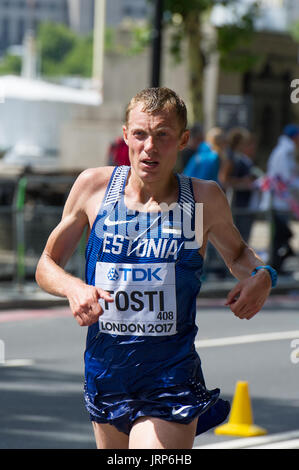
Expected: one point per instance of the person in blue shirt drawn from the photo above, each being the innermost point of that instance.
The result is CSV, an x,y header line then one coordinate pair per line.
x,y
206,163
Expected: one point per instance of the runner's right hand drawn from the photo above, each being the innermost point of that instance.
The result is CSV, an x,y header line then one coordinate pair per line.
x,y
84,303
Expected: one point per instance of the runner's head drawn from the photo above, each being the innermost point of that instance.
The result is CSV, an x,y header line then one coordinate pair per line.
x,y
155,100
155,131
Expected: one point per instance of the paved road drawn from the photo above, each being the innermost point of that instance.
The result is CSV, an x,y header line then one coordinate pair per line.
x,y
253,351
41,378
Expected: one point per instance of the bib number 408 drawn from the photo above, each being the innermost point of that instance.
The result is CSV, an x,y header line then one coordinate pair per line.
x,y
165,316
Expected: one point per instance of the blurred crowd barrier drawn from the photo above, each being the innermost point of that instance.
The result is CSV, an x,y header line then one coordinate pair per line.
x,y
32,206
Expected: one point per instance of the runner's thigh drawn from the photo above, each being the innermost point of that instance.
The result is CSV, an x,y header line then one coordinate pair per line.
x,y
155,433
108,437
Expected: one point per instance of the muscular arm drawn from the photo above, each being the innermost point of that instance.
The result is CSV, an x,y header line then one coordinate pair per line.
x,y
50,273
223,234
249,295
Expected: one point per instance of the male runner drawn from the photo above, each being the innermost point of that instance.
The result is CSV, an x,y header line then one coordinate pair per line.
x,y
144,387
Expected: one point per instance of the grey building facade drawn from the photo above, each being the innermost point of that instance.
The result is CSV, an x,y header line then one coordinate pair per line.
x,y
18,15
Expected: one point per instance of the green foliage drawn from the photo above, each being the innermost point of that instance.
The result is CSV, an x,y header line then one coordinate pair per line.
x,y
57,45
183,8
110,39
56,41
294,31
79,60
10,65
140,39
65,53
186,18
233,37
175,45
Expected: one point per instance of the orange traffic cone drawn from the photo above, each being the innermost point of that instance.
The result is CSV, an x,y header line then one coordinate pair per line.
x,y
240,419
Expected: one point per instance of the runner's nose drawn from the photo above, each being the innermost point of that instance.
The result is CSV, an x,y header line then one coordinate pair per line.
x,y
149,144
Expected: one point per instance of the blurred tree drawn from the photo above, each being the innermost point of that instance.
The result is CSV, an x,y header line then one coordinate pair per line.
x,y
186,19
294,31
63,52
79,60
10,65
55,41
140,38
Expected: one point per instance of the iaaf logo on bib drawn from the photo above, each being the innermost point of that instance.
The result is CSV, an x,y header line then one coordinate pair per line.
x,y
134,274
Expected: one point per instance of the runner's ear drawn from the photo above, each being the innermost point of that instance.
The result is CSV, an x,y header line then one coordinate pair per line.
x,y
184,139
125,134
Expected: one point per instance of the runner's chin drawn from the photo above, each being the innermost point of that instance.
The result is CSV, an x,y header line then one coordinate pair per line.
x,y
149,172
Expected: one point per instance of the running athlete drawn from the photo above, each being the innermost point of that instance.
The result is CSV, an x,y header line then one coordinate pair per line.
x,y
148,230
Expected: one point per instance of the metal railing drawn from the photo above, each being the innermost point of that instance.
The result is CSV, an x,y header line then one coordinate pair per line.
x,y
23,235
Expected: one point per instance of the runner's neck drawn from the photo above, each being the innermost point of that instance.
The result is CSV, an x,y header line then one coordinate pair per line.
x,y
150,196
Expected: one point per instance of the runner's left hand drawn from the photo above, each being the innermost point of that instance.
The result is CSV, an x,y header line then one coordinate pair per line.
x,y
248,297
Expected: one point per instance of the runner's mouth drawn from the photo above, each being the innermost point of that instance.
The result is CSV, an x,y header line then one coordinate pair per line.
x,y
149,163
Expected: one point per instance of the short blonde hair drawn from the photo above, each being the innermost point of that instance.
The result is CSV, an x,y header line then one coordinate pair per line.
x,y
158,99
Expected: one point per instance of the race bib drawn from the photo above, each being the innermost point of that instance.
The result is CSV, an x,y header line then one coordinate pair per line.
x,y
144,298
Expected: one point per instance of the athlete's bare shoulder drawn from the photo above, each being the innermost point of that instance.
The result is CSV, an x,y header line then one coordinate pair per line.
x,y
215,204
88,188
206,191
93,179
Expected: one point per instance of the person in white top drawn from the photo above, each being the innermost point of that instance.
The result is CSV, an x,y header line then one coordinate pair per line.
x,y
283,170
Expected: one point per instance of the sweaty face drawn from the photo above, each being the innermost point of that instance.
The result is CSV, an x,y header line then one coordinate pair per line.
x,y
154,141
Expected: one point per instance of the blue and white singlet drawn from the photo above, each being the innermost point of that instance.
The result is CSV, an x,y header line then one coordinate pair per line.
x,y
140,358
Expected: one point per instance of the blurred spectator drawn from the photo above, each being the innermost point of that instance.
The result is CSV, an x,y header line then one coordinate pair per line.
x,y
238,173
118,153
206,162
195,139
283,175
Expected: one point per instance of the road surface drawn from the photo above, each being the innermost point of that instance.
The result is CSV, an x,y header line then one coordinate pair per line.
x,y
41,383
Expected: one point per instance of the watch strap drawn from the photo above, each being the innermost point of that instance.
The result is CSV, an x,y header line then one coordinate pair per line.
x,y
271,271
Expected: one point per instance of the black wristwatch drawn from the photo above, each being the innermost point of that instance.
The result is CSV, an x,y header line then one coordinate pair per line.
x,y
271,271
